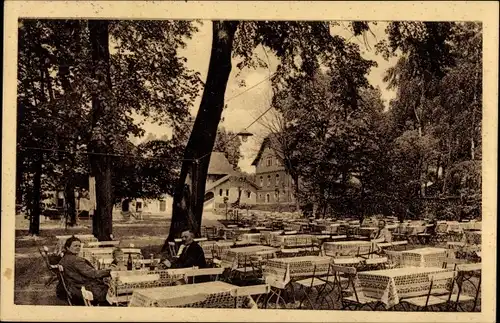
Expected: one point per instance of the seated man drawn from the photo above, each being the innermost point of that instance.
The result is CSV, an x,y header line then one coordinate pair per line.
x,y
192,254
78,272
382,234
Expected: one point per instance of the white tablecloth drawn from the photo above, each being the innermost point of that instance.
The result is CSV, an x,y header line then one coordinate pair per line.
x,y
423,257
281,270
241,256
390,285
181,295
291,241
347,248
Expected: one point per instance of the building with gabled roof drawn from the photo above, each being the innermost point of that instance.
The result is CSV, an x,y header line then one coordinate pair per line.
x,y
233,188
223,182
218,167
275,184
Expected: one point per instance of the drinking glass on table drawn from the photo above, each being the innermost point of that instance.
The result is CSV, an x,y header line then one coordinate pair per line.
x,y
138,263
153,263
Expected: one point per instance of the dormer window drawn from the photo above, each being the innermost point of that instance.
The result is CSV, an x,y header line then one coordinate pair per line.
x,y
269,161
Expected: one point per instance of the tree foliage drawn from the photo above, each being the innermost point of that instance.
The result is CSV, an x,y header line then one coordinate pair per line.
x,y
327,146
59,78
436,116
398,156
149,172
229,143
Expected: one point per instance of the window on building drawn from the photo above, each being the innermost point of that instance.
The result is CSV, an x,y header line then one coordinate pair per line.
x,y
249,193
125,205
278,163
277,179
276,196
138,206
269,161
268,180
261,181
163,206
227,192
220,192
268,198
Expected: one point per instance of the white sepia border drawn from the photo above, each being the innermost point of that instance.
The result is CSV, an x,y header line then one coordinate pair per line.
x,y
486,12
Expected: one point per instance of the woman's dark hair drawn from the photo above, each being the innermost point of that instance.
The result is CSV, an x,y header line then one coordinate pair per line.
x,y
68,242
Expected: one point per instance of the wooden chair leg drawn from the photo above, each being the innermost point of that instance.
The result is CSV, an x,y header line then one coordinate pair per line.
x,y
50,281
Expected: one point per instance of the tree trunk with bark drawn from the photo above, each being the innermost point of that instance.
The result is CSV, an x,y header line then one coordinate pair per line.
x,y
190,190
295,179
69,187
315,209
36,197
100,163
69,197
447,166
474,102
103,223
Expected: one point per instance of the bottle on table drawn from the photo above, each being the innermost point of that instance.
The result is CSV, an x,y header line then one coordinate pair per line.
x,y
129,262
152,264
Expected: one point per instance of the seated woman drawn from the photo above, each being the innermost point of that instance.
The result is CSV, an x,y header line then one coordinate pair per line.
x,y
118,262
78,272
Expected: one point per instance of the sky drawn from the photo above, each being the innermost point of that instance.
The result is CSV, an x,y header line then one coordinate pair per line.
x,y
245,104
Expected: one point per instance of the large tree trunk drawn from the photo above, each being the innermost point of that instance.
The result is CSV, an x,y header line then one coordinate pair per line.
x,y
71,27
100,163
36,197
19,178
188,196
447,166
36,194
103,222
315,209
295,179
69,197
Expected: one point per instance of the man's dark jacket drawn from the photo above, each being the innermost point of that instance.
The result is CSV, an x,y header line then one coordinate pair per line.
x,y
192,255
